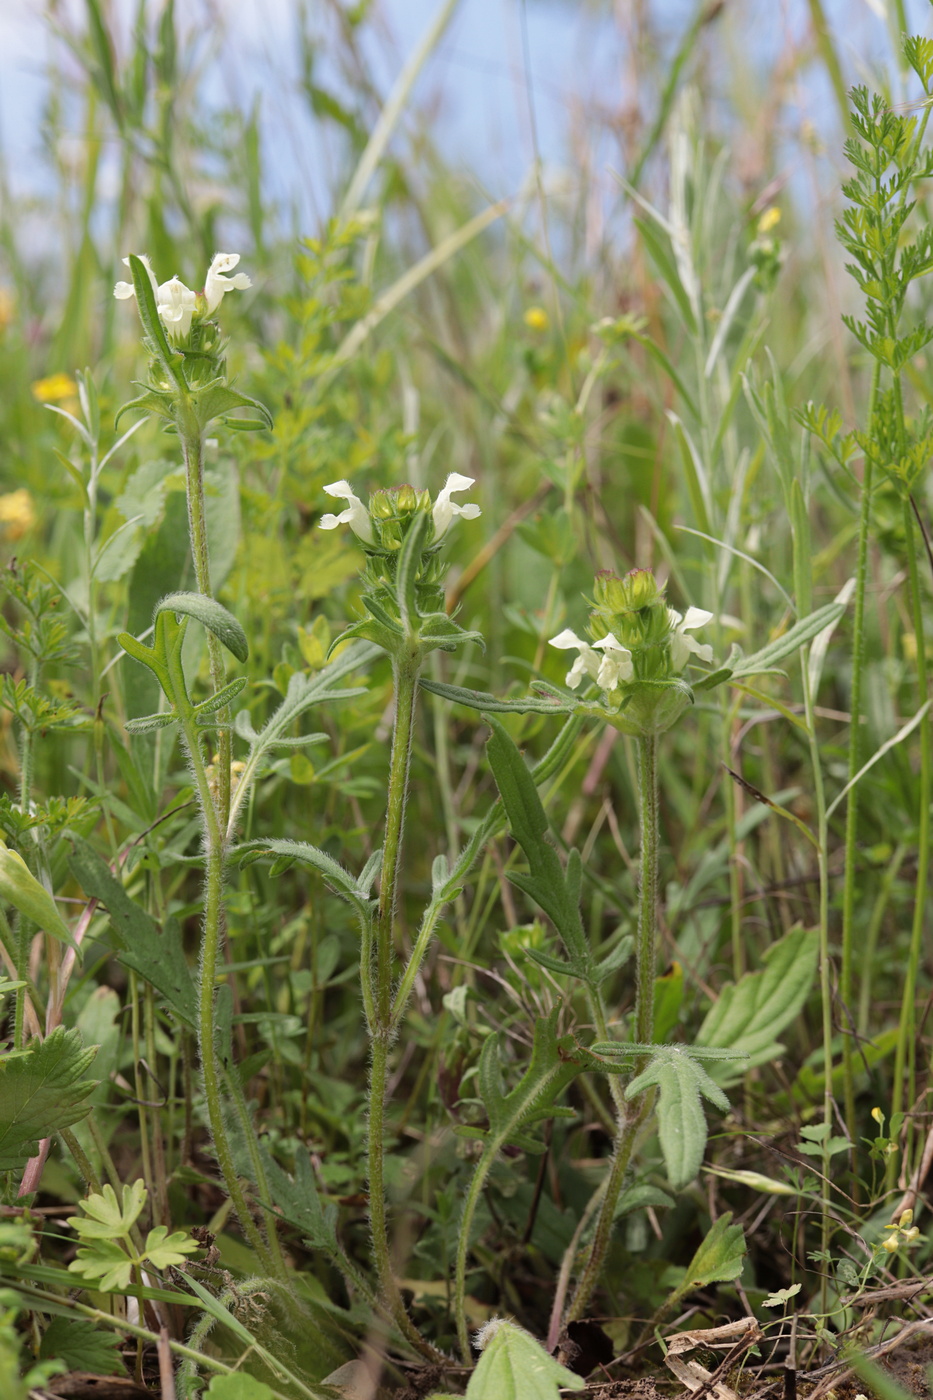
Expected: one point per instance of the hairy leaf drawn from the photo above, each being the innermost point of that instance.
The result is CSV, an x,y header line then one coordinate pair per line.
x,y
83,1346
514,1366
42,1090
211,615
751,1013
682,1129
19,887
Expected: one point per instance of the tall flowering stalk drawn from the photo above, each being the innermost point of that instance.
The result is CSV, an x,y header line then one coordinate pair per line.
x,y
636,652
187,388
401,532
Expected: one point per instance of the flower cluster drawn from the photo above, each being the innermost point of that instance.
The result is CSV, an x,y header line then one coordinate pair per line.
x,y
178,305
634,635
382,525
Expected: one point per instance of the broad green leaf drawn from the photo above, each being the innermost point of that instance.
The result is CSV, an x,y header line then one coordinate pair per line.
x,y
211,615
83,1346
214,400
105,1262
719,1258
751,1013
19,887
156,955
680,1117
42,1090
514,1366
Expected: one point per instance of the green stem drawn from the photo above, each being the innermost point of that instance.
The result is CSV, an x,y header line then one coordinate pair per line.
x,y
646,947
826,989
632,1113
192,448
906,1040
382,1025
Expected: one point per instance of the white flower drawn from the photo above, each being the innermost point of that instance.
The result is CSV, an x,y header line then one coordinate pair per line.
x,y
681,645
217,285
356,515
586,664
445,509
177,303
616,664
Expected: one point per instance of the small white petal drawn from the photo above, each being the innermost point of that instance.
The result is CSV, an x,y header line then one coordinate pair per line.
x,y
616,665
696,617
124,290
356,515
176,308
586,664
445,509
216,285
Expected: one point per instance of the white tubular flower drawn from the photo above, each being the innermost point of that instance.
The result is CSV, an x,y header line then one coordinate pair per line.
x,y
683,646
445,509
616,664
586,664
356,515
124,290
176,304
217,285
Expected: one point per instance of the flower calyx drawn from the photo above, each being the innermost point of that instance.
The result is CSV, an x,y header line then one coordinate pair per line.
x,y
637,650
401,531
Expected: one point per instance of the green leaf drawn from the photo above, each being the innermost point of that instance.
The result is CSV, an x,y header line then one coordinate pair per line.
x,y
106,1218
156,955
221,698
751,1013
214,400
514,1366
407,570
42,1090
556,891
299,1202
491,704
211,615
152,324
238,1387
147,724
83,1346
19,887
552,1066
105,1263
163,1250
789,641
337,878
681,1120
719,1258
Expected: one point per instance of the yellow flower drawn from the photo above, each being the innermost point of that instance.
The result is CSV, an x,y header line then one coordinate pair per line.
x,y
769,219
55,389
17,514
536,318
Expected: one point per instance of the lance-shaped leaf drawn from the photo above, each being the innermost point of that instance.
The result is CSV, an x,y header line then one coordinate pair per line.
x,y
171,360
211,615
19,887
790,641
152,401
682,1082
440,632
514,1366
406,572
222,697
491,704
42,1090
556,891
336,877
146,724
751,1013
156,955
298,1201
